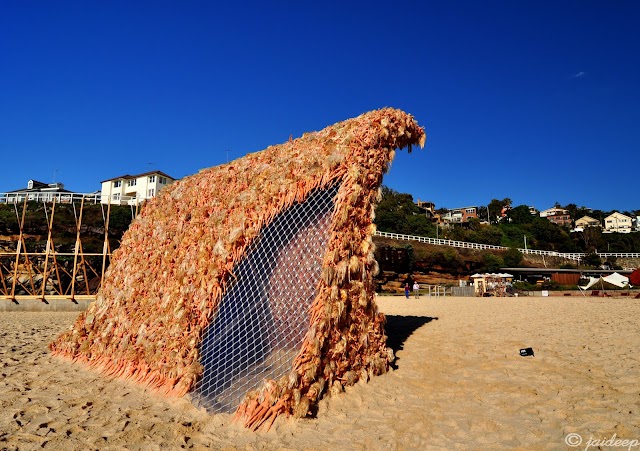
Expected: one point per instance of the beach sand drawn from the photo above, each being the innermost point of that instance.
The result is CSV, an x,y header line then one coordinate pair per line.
x,y
459,383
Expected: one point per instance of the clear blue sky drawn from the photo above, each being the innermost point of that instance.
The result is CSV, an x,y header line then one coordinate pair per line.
x,y
536,101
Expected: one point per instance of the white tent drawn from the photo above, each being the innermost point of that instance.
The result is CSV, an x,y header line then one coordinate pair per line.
x,y
614,279
617,279
592,282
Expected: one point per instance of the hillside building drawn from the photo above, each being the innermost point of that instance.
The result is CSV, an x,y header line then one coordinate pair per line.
x,y
429,209
557,215
618,223
587,221
460,215
134,189
36,191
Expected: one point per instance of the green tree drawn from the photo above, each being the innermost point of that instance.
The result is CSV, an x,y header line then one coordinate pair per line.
x,y
513,258
474,224
546,234
572,209
483,213
592,238
592,260
397,213
520,215
492,263
486,234
495,208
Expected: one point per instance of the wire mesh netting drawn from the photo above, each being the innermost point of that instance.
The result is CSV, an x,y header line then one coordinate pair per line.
x,y
264,315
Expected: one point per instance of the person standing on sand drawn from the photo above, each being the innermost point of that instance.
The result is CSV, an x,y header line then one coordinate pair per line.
x,y
416,289
406,290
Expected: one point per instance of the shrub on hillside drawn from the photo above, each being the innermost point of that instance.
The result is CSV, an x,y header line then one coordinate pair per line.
x,y
492,263
512,258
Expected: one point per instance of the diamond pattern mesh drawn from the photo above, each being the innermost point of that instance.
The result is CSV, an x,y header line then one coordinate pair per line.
x,y
264,314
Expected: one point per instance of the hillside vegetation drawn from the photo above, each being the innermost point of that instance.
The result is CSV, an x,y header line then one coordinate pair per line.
x,y
398,213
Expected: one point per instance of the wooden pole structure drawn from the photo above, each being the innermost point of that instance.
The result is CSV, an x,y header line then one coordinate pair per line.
x,y
19,247
56,267
51,252
106,248
19,281
83,262
45,273
77,248
5,291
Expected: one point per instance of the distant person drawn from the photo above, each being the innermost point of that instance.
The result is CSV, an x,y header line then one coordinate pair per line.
x,y
416,290
406,290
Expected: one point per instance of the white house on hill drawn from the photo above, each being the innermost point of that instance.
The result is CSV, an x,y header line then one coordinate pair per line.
x,y
617,222
587,221
133,189
554,211
37,191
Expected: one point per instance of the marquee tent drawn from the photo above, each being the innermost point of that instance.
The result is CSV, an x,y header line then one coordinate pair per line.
x,y
614,279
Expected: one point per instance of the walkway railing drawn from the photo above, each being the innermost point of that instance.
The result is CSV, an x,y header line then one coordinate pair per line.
x,y
69,198
468,245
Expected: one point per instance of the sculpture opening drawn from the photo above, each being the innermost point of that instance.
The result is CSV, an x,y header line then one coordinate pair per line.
x,y
264,315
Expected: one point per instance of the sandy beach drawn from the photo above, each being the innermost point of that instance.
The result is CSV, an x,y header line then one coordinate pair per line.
x,y
459,383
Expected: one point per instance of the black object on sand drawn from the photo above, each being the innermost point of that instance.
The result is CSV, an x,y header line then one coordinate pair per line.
x,y
526,351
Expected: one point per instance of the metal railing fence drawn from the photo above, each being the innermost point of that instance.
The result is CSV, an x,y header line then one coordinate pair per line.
x,y
468,245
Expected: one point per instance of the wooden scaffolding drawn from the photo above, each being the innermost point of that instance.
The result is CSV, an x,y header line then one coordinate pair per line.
x,y
26,273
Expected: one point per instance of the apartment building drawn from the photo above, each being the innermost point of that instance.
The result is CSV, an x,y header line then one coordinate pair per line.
x,y
557,215
132,189
587,221
460,215
618,223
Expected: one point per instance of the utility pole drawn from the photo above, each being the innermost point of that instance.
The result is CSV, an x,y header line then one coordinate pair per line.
x,y
525,244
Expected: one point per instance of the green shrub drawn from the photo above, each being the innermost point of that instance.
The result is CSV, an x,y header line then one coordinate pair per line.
x,y
492,263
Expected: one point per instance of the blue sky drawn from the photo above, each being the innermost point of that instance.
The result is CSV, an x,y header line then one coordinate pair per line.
x,y
535,101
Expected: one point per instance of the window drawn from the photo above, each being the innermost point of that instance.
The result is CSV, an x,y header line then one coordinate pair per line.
x,y
163,180
116,196
131,182
117,184
152,178
152,192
